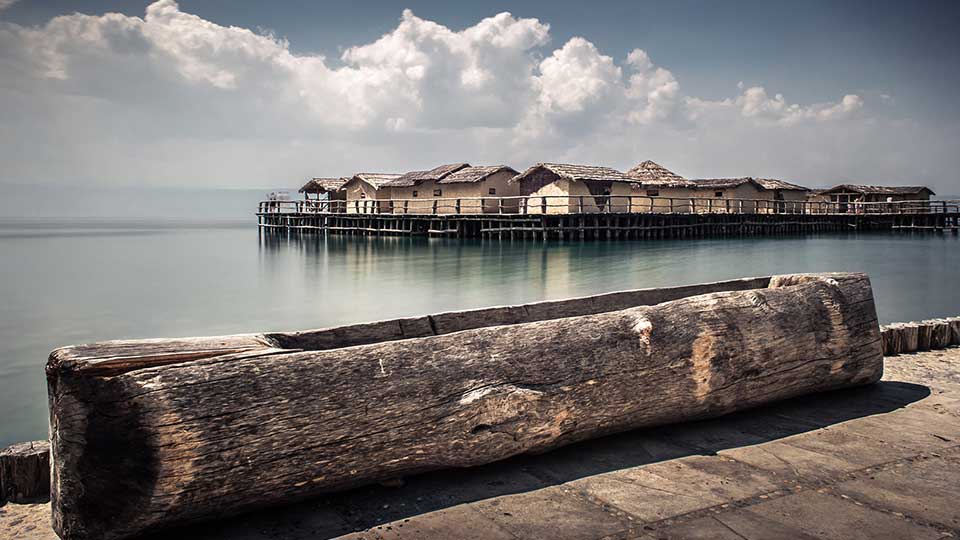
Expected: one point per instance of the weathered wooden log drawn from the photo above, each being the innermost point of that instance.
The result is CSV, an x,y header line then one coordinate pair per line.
x,y
887,339
954,330
909,337
25,472
150,434
939,334
924,333
894,339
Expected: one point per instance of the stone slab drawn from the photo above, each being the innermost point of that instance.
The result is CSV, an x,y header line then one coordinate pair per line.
x,y
663,490
460,521
791,463
542,513
817,515
711,527
919,490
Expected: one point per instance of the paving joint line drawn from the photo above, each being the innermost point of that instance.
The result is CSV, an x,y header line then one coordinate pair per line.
x,y
799,487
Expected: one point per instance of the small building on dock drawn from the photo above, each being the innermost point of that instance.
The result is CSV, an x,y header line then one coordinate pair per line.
x,y
729,195
416,192
325,189
787,197
455,188
367,193
560,188
845,194
655,180
749,195
481,189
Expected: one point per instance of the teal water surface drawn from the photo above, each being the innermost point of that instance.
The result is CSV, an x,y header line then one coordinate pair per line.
x,y
64,283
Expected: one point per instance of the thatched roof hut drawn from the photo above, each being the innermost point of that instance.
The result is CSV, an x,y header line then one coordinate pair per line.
x,y
364,187
651,174
725,183
564,188
375,180
856,193
323,185
577,173
762,184
779,185
783,196
472,174
414,178
919,192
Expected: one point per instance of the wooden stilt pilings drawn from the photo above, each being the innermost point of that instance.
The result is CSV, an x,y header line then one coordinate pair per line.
x,y
608,226
698,218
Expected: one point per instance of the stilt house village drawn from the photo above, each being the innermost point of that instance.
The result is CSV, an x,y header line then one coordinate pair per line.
x,y
559,188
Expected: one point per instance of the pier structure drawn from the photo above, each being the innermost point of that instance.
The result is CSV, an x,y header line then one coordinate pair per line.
x,y
615,217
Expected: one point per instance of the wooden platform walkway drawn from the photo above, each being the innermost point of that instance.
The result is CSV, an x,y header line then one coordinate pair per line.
x,y
713,218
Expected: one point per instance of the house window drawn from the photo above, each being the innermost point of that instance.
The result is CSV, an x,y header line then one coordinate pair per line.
x,y
415,193
492,191
437,192
718,194
653,193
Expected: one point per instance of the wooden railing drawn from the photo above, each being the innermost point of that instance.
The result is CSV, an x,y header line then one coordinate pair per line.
x,y
589,204
906,207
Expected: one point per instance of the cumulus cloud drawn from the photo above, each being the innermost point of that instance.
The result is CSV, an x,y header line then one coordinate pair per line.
x,y
755,103
653,90
575,78
167,94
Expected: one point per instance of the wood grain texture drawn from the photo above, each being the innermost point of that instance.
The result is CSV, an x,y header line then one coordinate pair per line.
x,y
909,337
25,472
954,330
143,447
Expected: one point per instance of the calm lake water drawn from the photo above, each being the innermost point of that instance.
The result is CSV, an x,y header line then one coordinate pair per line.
x,y
74,282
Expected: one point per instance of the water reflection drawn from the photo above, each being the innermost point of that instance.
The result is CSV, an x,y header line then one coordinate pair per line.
x,y
166,280
360,277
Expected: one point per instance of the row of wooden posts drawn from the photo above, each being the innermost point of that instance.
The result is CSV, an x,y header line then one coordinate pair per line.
x,y
600,226
25,467
910,337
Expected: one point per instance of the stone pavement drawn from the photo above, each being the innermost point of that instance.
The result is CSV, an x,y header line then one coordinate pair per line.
x,y
875,462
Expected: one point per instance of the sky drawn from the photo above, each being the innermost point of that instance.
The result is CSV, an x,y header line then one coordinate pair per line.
x,y
243,94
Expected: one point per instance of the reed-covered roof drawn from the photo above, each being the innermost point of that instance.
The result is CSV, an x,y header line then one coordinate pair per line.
x,y
435,174
475,174
579,172
724,183
773,183
377,180
651,174
323,185
879,190
759,183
